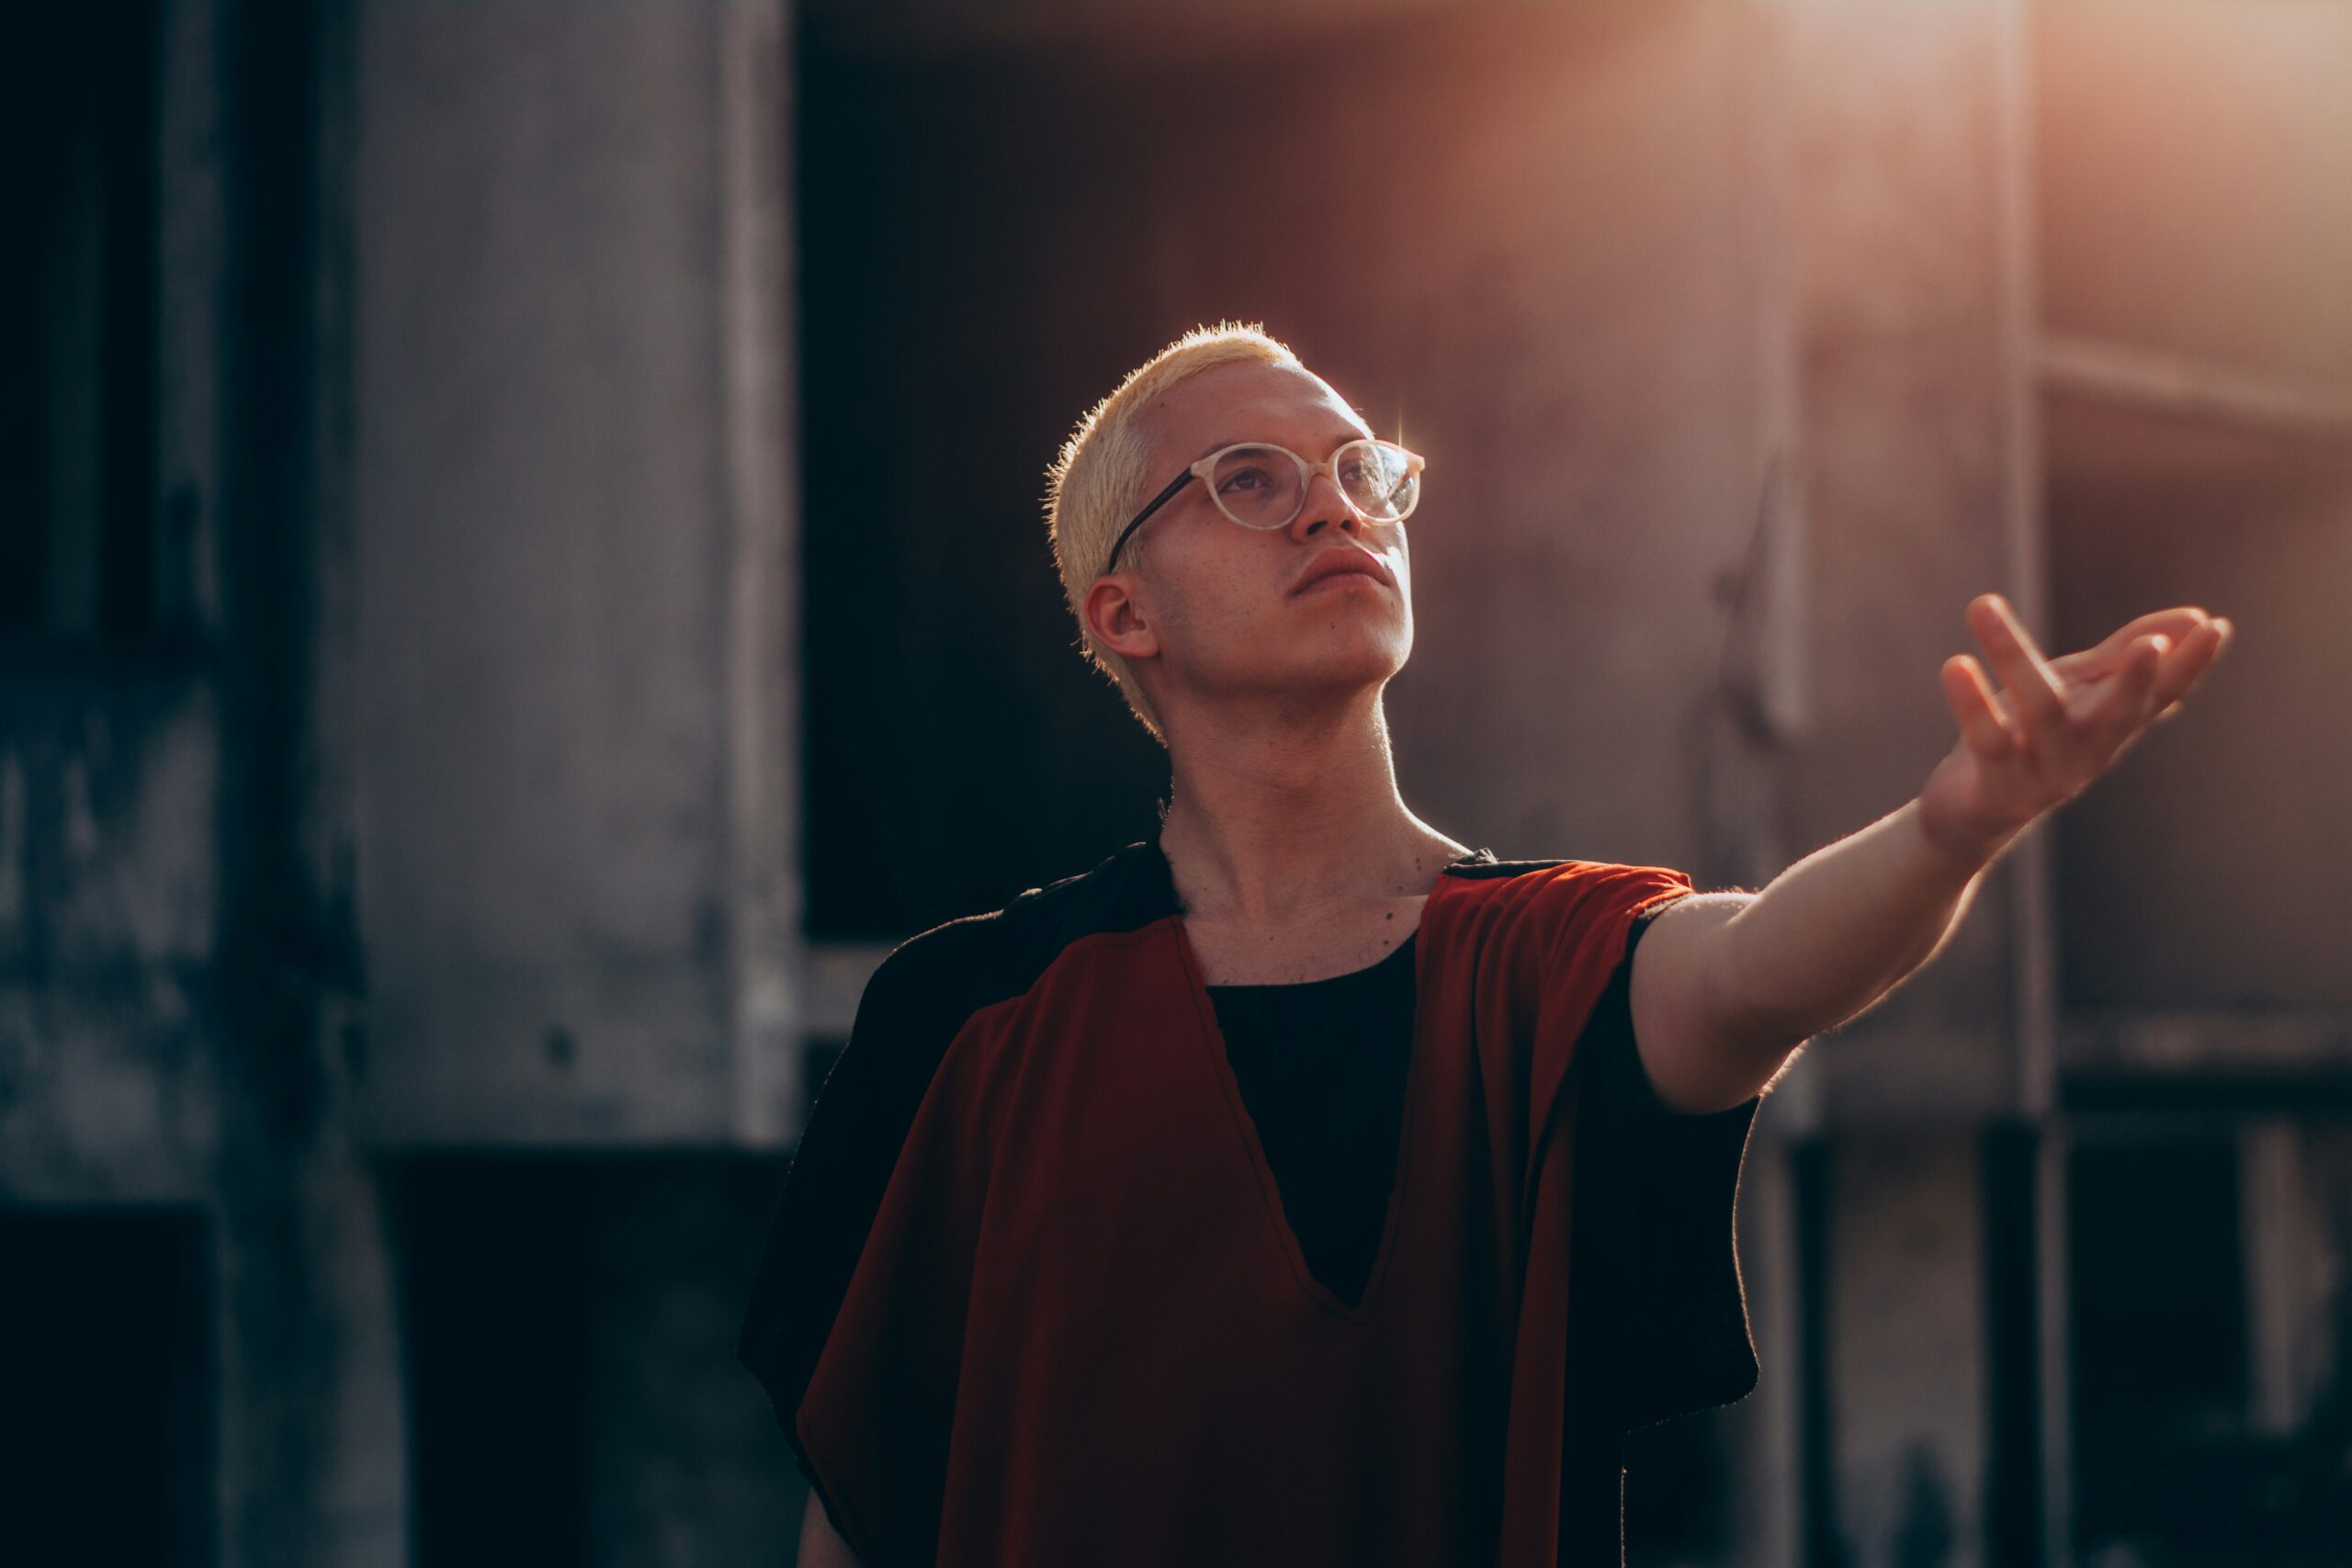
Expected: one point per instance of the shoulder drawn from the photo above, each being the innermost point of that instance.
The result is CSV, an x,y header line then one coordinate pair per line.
x,y
920,995
913,1006
939,968
964,965
1562,873
1564,898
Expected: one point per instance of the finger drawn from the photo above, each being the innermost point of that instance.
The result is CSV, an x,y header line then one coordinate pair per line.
x,y
2167,696
2129,707
2127,704
2187,663
2094,663
1982,723
2169,699
2202,640
2033,687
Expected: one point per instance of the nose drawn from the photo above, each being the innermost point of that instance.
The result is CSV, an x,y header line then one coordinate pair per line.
x,y
1327,506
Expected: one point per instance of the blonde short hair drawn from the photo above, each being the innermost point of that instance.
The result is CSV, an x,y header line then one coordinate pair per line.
x,y
1095,485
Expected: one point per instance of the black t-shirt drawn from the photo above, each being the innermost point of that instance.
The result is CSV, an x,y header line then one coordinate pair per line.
x,y
1322,1065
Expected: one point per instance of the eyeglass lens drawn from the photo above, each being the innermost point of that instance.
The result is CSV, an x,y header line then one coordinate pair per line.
x,y
1263,487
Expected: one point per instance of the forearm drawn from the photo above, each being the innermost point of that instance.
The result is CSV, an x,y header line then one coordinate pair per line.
x,y
1838,930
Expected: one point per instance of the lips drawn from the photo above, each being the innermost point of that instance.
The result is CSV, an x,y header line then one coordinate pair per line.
x,y
1347,558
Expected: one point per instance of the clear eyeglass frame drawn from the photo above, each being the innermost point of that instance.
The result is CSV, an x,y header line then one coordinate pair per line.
x,y
1205,467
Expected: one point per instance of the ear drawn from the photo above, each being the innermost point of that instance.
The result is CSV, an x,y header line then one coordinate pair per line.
x,y
1117,619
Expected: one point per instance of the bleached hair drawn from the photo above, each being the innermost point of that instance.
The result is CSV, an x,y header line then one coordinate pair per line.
x,y
1096,484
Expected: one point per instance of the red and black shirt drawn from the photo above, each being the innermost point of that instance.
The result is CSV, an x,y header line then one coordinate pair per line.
x,y
1032,1296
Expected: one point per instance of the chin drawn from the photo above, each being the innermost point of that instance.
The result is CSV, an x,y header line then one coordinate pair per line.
x,y
1369,666
1381,646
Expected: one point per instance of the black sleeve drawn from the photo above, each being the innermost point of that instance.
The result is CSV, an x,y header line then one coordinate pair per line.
x,y
910,1010
1656,1192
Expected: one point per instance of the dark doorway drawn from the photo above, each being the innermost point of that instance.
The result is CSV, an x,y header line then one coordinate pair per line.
x,y
496,1260
77,325
105,1398
574,1396
2158,1337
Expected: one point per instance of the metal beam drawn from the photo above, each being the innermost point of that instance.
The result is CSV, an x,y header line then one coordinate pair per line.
x,y
2156,382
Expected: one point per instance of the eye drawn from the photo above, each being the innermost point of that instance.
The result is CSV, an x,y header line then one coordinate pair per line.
x,y
1245,479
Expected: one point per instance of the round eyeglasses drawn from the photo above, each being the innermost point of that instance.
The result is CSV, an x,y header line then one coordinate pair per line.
x,y
1261,485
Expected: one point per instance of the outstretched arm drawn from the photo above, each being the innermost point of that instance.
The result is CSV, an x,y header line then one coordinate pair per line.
x,y
1726,985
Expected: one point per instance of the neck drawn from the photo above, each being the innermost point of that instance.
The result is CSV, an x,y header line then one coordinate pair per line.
x,y
1277,817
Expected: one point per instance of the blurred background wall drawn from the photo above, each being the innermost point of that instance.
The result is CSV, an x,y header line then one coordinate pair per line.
x,y
522,577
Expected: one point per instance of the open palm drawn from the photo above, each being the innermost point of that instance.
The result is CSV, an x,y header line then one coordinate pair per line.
x,y
2058,723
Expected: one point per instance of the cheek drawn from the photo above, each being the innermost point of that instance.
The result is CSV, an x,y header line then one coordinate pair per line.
x,y
1224,584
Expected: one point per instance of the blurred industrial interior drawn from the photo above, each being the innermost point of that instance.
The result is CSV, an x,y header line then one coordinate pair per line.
x,y
520,577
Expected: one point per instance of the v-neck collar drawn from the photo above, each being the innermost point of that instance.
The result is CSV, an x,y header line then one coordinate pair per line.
x,y
1212,1038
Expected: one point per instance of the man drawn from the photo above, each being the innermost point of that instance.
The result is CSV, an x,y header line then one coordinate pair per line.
x,y
1303,1186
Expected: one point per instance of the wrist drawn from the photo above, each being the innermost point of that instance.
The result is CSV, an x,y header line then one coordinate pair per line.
x,y
1961,849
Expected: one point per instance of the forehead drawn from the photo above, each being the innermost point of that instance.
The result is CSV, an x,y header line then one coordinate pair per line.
x,y
1247,400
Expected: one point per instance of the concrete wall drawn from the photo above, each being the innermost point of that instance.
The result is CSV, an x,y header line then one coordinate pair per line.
x,y
109,899
570,710
184,1019
169,948
1900,228
2194,180
2195,195
2207,874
